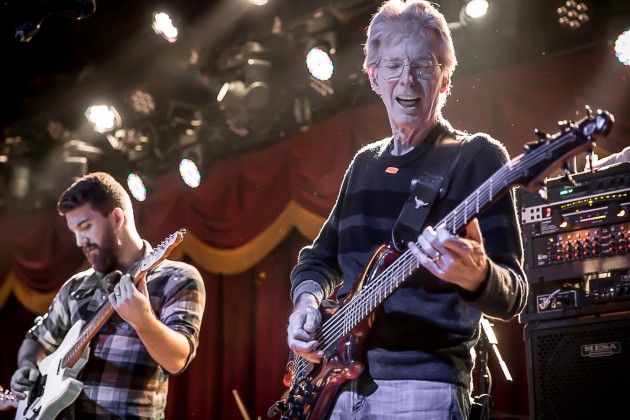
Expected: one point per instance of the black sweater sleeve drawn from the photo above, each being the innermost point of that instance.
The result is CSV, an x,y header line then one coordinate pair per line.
x,y
318,262
504,293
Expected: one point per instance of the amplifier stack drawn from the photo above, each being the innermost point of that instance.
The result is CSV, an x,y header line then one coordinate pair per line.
x,y
577,260
577,245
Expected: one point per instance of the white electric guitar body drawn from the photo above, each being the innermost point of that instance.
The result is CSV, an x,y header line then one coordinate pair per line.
x,y
57,386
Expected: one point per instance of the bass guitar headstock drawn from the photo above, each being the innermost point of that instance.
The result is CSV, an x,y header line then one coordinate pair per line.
x,y
551,152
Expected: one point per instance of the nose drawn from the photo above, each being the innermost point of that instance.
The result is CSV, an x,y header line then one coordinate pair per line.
x,y
81,239
406,77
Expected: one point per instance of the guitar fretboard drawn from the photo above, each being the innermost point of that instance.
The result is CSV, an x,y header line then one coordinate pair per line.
x,y
90,329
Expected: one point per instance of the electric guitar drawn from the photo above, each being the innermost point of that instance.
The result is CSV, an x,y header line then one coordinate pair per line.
x,y
7,399
57,386
312,387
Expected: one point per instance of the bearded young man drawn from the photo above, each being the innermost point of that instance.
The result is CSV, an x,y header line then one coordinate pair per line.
x,y
154,331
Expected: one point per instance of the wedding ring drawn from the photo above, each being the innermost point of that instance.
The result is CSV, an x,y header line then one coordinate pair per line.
x,y
436,258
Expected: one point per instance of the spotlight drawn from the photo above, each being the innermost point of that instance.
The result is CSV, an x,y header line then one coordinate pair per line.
x,y
189,172
257,81
234,90
622,48
142,102
163,25
478,14
136,186
321,45
104,118
319,64
573,14
242,105
475,9
258,2
245,101
191,163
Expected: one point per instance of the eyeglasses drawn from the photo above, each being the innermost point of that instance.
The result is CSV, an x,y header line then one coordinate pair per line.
x,y
393,70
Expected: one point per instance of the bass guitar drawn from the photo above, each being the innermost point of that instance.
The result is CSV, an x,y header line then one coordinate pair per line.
x,y
312,387
57,386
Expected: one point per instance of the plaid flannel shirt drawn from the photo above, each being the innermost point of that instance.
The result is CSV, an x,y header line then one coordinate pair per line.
x,y
120,379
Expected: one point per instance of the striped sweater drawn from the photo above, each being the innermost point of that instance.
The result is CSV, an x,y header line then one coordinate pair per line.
x,y
426,329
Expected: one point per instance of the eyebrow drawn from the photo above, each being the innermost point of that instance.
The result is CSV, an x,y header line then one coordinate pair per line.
x,y
422,57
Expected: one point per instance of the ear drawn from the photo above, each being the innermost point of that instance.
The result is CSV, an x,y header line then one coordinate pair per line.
x,y
118,216
446,83
373,76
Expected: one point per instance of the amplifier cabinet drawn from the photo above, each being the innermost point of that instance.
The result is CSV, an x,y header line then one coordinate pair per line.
x,y
579,368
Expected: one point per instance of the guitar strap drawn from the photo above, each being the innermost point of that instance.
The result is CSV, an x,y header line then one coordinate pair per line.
x,y
431,182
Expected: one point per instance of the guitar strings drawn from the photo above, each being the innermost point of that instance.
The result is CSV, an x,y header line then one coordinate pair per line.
x,y
382,286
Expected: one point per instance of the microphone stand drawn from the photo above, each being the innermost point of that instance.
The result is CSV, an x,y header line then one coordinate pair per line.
x,y
488,340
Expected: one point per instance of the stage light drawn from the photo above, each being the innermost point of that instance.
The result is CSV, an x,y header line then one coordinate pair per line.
x,y
573,14
136,186
321,45
258,2
478,15
191,165
245,102
142,102
190,173
475,9
622,48
163,25
319,64
104,118
232,91
257,82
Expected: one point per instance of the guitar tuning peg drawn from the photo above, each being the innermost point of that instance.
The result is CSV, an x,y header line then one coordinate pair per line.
x,y
564,124
589,112
542,137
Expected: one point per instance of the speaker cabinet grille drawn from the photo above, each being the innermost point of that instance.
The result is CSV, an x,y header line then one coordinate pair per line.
x,y
579,368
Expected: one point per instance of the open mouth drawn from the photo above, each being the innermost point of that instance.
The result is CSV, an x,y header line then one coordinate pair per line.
x,y
407,102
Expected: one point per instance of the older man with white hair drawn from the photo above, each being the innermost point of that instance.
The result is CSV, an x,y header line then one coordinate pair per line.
x,y
418,352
